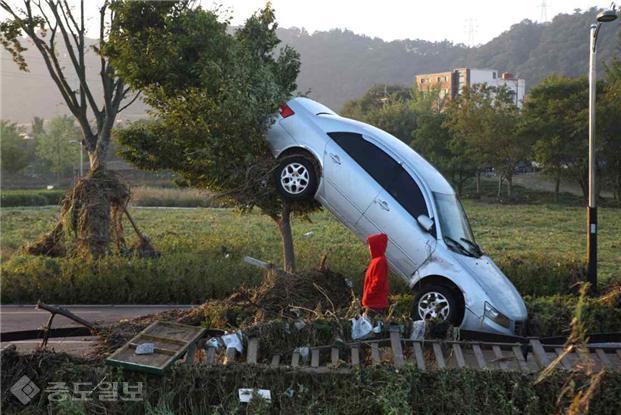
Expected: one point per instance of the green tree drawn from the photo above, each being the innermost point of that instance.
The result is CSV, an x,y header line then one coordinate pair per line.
x,y
213,92
58,147
388,107
609,110
556,117
56,29
15,151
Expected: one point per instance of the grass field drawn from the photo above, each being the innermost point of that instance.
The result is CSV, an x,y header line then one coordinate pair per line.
x,y
210,243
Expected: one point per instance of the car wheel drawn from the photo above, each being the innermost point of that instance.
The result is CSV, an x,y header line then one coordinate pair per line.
x,y
435,302
296,178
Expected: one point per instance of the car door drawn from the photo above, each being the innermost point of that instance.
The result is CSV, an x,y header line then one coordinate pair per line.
x,y
393,212
354,170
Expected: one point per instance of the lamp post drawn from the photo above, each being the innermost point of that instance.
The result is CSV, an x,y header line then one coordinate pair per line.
x,y
602,17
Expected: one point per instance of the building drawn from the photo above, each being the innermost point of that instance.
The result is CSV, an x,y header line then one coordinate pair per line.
x,y
452,83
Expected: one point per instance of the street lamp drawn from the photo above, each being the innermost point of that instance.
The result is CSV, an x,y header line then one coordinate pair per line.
x,y
81,155
602,17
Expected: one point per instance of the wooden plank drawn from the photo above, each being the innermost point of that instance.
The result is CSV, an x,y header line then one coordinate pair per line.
x,y
314,357
375,357
565,362
275,360
211,355
519,356
189,355
459,355
230,355
334,355
253,349
478,354
355,355
540,354
500,358
418,354
603,358
437,351
397,350
295,359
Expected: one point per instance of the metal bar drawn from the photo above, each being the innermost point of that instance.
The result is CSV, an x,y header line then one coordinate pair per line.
x,y
459,355
375,357
418,354
314,357
437,351
295,359
603,358
253,349
519,356
334,355
355,355
258,263
500,358
211,355
540,354
397,350
478,354
565,362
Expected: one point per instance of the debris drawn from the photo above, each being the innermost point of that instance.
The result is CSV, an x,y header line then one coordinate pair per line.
x,y
247,394
418,330
233,340
145,348
360,327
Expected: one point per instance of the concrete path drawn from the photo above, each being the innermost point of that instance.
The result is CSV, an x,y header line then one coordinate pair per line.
x,y
25,317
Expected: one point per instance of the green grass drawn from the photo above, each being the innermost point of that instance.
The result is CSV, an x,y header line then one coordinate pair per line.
x,y
203,249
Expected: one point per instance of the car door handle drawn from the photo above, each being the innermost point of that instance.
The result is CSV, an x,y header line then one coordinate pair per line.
x,y
335,158
383,204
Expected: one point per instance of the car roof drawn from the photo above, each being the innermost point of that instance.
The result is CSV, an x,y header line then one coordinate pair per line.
x,y
406,154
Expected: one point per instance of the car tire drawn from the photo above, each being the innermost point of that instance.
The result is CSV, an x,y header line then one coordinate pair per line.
x,y
296,178
436,301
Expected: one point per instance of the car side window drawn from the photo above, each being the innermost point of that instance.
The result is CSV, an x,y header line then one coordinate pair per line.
x,y
406,191
371,158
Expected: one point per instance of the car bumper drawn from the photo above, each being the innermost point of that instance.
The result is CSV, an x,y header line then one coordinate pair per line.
x,y
475,322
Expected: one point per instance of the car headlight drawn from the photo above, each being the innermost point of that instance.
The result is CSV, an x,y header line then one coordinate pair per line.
x,y
496,316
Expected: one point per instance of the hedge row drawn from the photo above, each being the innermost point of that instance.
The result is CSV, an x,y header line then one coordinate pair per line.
x,y
378,390
192,278
13,198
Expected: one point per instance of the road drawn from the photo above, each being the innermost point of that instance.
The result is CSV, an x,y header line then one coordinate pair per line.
x,y
25,317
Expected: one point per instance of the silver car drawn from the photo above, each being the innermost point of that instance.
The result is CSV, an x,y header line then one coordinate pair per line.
x,y
373,182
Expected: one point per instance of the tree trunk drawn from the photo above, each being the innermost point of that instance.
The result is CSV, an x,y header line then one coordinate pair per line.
x,y
500,180
478,182
557,186
509,187
460,184
618,187
284,226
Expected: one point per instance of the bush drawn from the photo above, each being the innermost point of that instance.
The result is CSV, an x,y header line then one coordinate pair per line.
x,y
541,275
12,198
202,388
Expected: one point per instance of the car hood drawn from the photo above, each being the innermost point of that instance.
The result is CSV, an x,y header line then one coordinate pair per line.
x,y
500,291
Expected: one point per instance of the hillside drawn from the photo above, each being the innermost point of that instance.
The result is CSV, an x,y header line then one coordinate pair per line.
x,y
339,65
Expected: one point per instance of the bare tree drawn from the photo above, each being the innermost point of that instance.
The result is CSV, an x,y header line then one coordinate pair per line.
x,y
54,26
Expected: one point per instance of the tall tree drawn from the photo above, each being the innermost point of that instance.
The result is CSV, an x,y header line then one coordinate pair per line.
x,y
556,117
57,147
213,92
610,110
15,152
55,29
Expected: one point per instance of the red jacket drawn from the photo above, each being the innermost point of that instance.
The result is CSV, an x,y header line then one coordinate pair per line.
x,y
375,293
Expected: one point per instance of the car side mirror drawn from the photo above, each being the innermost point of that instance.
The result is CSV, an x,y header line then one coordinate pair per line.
x,y
425,222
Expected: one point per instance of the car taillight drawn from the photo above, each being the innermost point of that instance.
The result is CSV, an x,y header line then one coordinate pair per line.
x,y
286,111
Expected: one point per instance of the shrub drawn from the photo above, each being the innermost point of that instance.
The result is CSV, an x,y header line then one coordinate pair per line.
x,y
12,198
542,274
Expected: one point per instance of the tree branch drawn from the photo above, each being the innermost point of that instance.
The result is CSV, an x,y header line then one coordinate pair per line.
x,y
130,102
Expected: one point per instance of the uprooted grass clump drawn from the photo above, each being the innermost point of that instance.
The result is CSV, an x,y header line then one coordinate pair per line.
x,y
91,214
284,311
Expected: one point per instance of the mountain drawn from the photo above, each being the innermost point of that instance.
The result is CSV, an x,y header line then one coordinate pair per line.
x,y
338,65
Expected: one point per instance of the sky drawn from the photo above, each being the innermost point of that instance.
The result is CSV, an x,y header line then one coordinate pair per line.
x,y
470,22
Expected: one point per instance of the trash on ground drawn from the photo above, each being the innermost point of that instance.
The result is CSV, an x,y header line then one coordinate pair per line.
x,y
360,327
247,394
145,348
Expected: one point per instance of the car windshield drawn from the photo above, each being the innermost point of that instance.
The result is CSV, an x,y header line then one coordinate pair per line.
x,y
455,227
